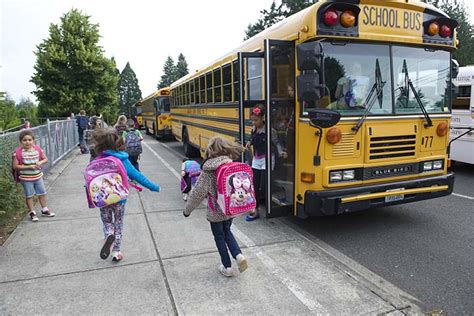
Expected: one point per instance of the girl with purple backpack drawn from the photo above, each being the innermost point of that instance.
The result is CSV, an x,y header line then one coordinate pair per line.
x,y
109,143
219,151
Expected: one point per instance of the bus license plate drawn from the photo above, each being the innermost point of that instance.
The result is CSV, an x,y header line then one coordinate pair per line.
x,y
393,198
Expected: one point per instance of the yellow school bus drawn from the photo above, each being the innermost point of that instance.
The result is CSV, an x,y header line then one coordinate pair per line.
x,y
139,117
357,93
156,113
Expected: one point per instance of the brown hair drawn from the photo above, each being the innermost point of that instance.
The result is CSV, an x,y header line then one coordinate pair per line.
x,y
27,132
107,138
122,120
258,110
219,146
82,112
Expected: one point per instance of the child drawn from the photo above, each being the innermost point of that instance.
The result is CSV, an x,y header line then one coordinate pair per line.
x,y
108,143
218,152
121,125
95,123
190,171
27,160
133,138
258,141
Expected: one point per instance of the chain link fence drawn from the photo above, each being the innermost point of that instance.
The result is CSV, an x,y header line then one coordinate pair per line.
x,y
57,138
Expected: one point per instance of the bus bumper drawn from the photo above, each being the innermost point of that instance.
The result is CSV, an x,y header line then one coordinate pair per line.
x,y
333,202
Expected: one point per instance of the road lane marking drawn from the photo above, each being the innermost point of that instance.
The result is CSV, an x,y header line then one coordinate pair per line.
x,y
271,265
463,196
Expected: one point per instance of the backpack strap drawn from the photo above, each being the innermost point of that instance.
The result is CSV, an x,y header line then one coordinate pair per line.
x,y
40,151
18,154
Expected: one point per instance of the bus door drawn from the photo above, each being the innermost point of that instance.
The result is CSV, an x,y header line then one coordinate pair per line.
x,y
251,84
280,124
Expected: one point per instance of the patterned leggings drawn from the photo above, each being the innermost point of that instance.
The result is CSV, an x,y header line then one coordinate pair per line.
x,y
112,219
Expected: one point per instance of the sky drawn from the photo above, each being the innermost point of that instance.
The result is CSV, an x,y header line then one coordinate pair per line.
x,y
142,32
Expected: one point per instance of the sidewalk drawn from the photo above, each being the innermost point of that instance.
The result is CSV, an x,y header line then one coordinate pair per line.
x,y
170,264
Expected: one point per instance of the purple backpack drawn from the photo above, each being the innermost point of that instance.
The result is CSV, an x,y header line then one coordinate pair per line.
x,y
106,182
235,191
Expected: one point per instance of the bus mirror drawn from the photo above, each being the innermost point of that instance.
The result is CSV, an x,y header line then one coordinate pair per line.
x,y
310,56
454,68
309,87
323,118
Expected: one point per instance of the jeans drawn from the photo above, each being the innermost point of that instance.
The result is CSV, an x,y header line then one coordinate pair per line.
x,y
134,161
225,239
33,187
81,136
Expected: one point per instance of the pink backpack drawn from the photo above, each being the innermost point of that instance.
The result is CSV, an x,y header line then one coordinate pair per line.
x,y
106,181
18,154
235,191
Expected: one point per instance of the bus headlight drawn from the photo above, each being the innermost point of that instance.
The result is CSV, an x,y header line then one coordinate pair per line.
x,y
335,176
437,164
342,175
428,166
348,175
433,165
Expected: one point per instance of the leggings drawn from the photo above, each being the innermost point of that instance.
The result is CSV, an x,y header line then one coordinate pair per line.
x,y
112,219
259,184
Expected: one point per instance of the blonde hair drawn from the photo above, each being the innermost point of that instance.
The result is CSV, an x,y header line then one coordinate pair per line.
x,y
219,146
122,120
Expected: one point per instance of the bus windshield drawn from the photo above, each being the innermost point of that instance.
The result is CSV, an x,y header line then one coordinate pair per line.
x,y
429,71
350,76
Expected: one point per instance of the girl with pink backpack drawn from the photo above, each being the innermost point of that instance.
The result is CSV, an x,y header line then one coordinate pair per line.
x,y
27,169
219,155
109,149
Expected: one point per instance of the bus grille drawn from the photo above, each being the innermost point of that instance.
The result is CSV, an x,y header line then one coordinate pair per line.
x,y
345,147
392,146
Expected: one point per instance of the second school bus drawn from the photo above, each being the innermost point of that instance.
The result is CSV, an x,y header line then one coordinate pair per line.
x,y
358,94
156,116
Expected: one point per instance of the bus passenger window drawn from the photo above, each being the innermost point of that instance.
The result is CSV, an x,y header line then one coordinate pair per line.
x,y
227,83
202,90
209,98
217,86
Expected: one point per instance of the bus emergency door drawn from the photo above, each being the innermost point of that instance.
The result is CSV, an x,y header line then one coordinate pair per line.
x,y
280,124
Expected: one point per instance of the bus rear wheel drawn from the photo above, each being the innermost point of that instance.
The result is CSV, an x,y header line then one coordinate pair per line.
x,y
189,149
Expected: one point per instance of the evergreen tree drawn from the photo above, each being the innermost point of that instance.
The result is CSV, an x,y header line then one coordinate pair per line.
x,y
8,115
129,91
181,67
27,110
71,71
169,73
457,10
275,14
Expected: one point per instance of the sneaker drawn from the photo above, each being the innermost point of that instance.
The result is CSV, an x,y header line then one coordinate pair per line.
x,y
185,197
33,216
241,262
105,251
117,256
251,217
47,213
227,272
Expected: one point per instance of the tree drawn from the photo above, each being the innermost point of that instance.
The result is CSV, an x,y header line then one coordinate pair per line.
x,y
71,71
275,14
181,67
27,110
128,90
169,73
457,10
8,115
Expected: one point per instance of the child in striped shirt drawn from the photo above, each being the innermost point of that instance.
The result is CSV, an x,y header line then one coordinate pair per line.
x,y
27,160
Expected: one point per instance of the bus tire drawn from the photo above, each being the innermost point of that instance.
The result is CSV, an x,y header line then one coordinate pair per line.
x,y
189,149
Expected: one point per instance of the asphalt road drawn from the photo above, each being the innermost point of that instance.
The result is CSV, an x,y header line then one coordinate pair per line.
x,y
424,248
